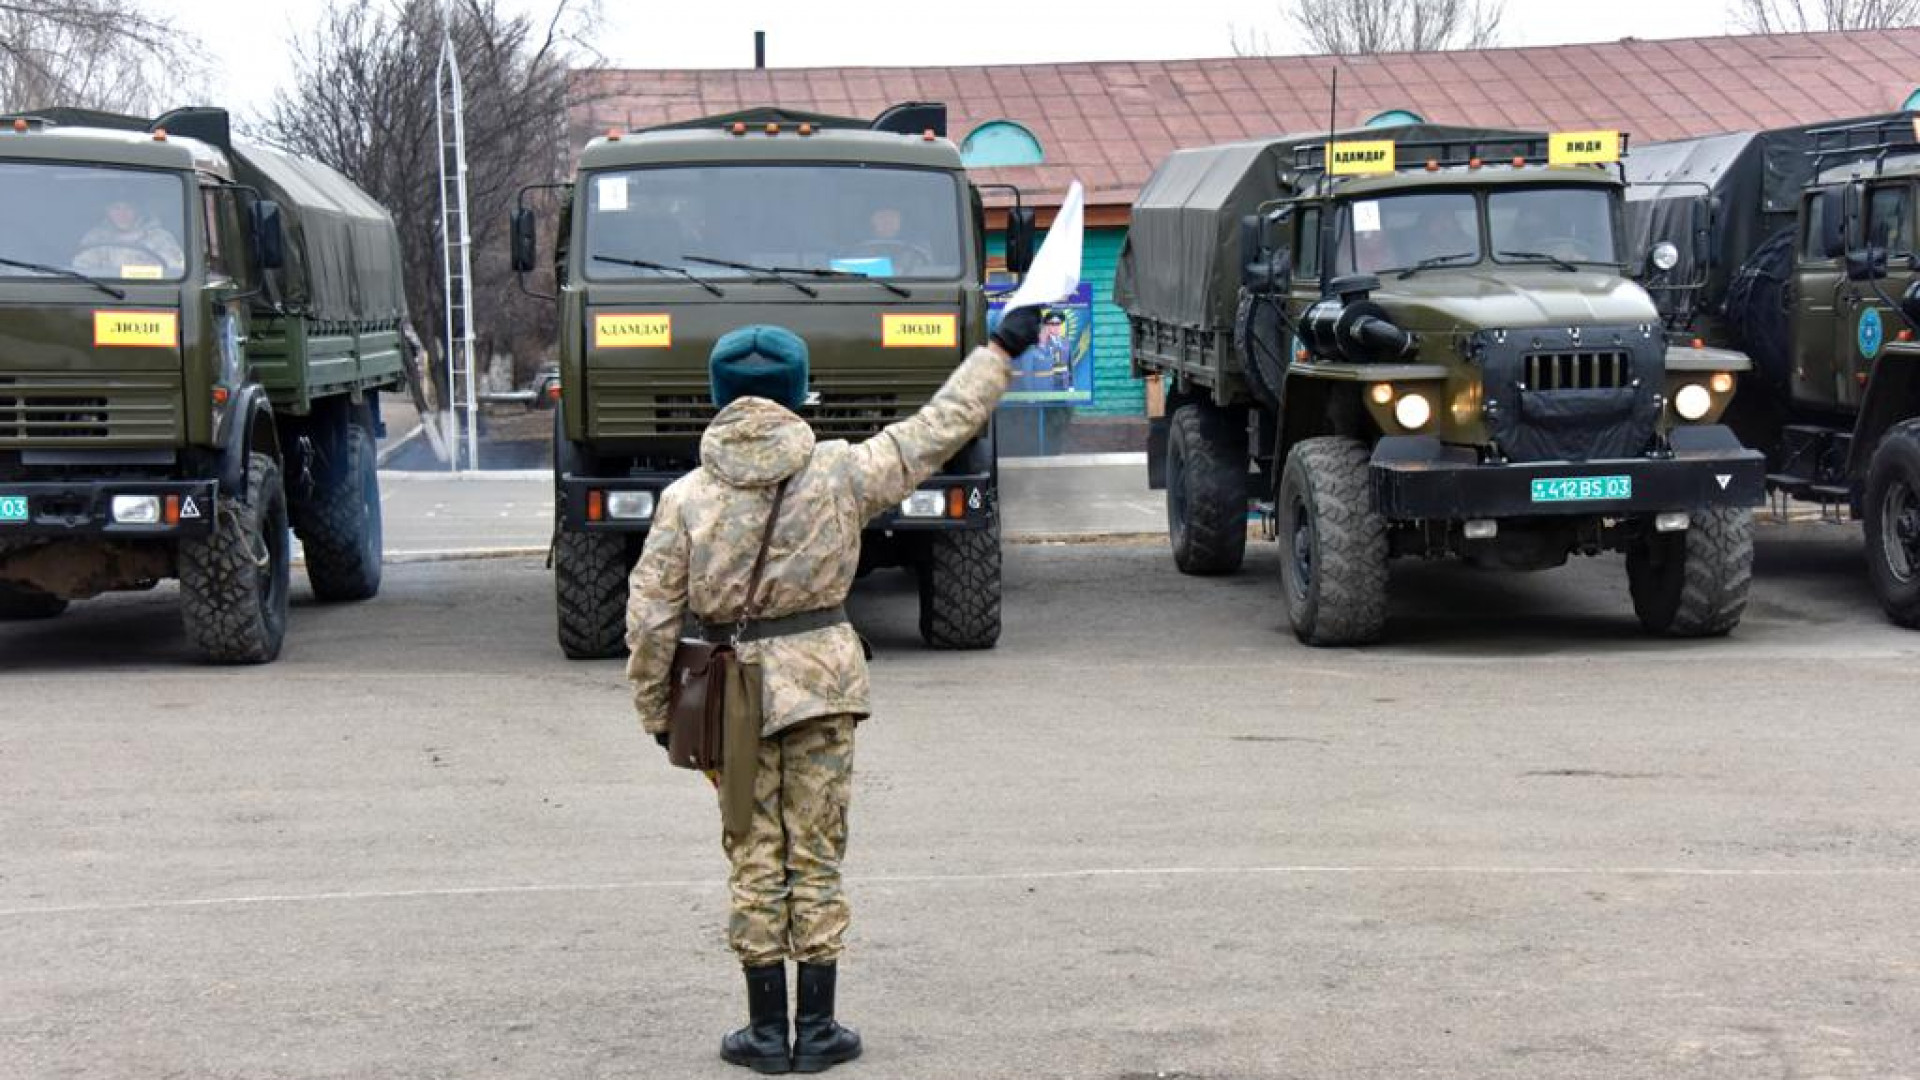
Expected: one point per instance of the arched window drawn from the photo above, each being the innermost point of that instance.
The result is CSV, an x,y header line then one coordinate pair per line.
x,y
1000,142
1395,118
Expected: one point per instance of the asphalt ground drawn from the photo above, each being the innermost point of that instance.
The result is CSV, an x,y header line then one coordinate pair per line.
x,y
1148,836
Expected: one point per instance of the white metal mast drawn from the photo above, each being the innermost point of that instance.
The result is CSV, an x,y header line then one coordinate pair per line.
x,y
456,250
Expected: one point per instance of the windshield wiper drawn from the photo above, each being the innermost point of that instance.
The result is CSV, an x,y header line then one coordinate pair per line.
x,y
1432,261
681,270
752,269
1541,256
61,271
821,271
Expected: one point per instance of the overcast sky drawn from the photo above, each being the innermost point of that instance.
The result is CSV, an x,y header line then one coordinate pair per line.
x,y
248,54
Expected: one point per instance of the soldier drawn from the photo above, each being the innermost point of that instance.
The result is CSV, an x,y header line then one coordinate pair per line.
x,y
129,244
785,882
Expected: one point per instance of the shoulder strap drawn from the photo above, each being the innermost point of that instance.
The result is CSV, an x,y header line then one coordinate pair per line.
x,y
750,606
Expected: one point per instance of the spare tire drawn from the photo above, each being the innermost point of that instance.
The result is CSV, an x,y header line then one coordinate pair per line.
x,y
1263,341
1758,310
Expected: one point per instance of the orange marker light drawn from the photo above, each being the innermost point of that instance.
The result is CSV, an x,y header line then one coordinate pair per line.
x,y
806,129
1299,354
1473,163
1904,335
1721,383
1861,378
1698,344
956,503
1432,165
773,129
553,392
596,506
173,510
159,134
927,135
739,127
1519,162
19,123
221,395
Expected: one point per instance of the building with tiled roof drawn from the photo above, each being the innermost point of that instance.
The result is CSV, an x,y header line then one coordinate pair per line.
x,y
1108,124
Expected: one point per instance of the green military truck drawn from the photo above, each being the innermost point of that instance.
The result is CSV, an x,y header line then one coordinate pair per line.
x,y
864,237
1429,345
194,335
1797,246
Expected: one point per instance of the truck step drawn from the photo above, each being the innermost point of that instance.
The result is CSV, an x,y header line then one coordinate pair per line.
x,y
1788,484
1828,494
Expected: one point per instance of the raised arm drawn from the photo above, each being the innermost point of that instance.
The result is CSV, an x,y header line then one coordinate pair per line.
x,y
885,468
656,605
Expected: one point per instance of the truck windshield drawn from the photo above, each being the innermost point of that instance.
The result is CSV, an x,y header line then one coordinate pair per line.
x,y
1405,232
872,221
1547,224
105,223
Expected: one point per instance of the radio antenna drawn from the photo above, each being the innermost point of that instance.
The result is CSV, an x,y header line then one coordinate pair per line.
x,y
1326,181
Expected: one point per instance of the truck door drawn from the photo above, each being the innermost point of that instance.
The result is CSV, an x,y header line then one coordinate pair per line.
x,y
1817,290
1867,320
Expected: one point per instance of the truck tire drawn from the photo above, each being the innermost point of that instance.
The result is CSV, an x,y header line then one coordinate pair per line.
x,y
1694,583
590,586
17,602
234,583
341,528
960,589
1893,523
1333,544
1757,310
1206,490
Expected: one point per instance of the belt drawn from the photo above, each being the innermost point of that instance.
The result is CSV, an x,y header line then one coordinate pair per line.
x,y
785,626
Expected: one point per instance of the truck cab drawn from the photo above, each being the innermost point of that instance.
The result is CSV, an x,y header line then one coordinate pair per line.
x,y
865,238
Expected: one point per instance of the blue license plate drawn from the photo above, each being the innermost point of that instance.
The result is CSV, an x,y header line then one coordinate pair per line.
x,y
13,508
1555,489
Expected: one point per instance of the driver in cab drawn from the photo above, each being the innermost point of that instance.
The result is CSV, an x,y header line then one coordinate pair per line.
x,y
128,243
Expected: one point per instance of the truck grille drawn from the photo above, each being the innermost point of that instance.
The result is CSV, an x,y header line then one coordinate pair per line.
x,y
1599,369
52,409
618,412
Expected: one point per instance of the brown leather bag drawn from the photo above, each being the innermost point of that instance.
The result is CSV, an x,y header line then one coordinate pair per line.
x,y
697,687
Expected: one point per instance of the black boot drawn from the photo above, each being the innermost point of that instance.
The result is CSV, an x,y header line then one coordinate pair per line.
x,y
818,1042
762,1044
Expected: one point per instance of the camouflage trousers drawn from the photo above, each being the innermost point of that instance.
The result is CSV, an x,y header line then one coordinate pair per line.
x,y
785,884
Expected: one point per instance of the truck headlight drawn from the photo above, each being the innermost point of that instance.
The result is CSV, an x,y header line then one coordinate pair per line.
x,y
1413,411
1664,256
136,509
1692,402
629,505
924,504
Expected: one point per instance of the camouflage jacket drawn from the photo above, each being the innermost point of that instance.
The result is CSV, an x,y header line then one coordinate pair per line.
x,y
147,249
708,525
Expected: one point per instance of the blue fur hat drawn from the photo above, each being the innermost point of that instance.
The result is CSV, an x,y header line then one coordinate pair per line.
x,y
759,361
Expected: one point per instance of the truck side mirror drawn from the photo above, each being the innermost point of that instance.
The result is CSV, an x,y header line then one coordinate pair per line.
x,y
521,230
1867,264
1262,267
1019,238
1833,222
268,233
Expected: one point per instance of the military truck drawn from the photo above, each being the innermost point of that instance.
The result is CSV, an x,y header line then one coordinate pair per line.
x,y
1801,240
864,237
195,333
1422,342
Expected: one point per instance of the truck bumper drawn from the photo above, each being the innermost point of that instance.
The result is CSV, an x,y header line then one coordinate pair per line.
x,y
965,501
84,508
1418,479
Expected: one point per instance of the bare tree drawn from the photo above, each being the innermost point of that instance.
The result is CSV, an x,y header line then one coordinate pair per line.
x,y
100,54
1361,27
1803,16
364,101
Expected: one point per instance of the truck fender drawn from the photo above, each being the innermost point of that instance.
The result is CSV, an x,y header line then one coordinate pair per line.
x,y
1893,395
1313,407
249,429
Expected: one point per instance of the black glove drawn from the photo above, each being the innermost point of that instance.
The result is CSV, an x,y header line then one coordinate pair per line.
x,y
1019,329
662,738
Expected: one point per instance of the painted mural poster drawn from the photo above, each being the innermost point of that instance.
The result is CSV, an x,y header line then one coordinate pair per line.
x,y
1059,369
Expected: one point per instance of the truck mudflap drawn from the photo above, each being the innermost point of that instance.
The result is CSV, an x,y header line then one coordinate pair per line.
x,y
148,509
1416,478
948,502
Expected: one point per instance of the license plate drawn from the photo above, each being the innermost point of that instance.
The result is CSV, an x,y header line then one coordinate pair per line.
x,y
1582,488
13,508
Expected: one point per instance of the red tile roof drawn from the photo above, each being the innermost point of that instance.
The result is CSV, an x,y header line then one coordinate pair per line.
x,y
1109,124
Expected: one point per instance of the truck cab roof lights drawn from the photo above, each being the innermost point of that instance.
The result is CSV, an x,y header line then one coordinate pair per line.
x,y
159,134
613,134
20,124
773,129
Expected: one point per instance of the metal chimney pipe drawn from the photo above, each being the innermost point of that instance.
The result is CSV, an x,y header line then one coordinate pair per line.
x,y
759,49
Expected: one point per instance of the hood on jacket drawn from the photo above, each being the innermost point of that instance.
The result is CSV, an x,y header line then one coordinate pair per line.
x,y
755,442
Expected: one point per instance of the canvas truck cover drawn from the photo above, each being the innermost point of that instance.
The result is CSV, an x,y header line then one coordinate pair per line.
x,y
343,252
1178,264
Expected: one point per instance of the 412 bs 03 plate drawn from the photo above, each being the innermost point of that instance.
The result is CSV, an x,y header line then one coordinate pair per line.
x,y
1582,488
